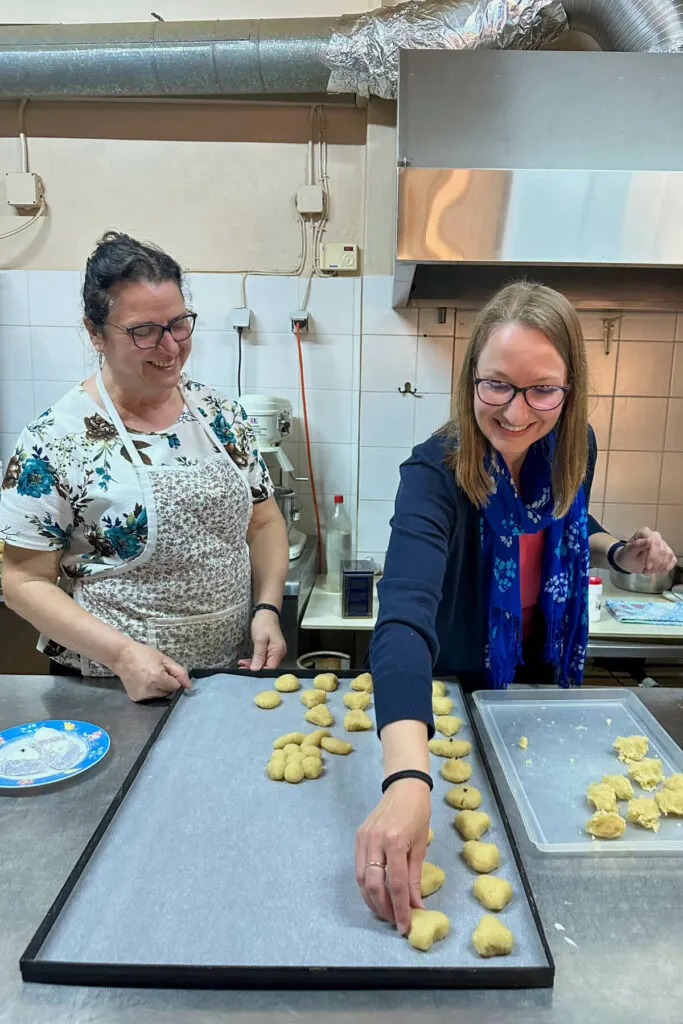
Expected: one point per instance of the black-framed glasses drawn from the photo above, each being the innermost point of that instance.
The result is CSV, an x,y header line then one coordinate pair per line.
x,y
541,397
150,335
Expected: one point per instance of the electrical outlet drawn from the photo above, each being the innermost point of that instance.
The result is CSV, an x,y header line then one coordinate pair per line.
x,y
340,256
300,317
240,318
23,188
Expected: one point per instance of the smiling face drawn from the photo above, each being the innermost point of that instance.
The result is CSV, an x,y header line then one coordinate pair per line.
x,y
520,355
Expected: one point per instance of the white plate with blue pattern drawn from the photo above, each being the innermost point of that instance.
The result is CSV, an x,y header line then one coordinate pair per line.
x,y
40,753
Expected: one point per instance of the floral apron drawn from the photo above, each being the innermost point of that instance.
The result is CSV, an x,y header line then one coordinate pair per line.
x,y
188,593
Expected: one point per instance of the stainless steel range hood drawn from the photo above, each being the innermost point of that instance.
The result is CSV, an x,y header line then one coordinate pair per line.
x,y
562,166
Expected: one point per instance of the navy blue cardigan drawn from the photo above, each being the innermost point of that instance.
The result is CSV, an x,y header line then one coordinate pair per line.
x,y
431,617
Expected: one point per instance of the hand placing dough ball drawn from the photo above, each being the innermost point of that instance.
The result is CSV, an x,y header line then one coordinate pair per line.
x,y
447,725
312,766
631,748
442,705
481,857
492,892
311,698
356,701
456,770
492,938
647,773
439,688
357,721
287,683
601,796
267,699
670,801
464,798
289,737
644,811
315,738
320,716
363,682
450,748
472,824
621,786
606,825
426,928
336,746
326,681
432,878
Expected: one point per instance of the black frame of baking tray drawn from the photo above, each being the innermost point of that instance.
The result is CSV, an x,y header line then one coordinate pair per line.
x,y
235,976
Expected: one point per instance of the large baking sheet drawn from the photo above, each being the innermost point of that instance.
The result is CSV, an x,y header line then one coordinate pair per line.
x,y
570,734
210,873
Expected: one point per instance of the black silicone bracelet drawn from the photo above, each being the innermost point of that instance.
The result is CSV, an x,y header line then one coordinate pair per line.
x,y
617,546
407,773
266,608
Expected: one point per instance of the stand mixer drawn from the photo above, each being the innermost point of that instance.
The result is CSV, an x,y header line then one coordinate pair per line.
x,y
271,419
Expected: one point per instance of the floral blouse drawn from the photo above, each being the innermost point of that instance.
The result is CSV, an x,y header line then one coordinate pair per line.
x,y
71,486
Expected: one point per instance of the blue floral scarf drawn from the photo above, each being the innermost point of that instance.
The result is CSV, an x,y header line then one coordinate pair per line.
x,y
564,579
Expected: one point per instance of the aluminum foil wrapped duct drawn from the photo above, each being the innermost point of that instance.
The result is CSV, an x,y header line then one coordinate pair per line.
x,y
363,52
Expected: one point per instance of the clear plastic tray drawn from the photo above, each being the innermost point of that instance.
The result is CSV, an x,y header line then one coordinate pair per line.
x,y
570,735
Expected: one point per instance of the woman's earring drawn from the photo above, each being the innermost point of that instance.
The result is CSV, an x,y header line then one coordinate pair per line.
x,y
100,359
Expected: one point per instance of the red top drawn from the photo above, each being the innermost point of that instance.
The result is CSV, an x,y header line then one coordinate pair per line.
x,y
530,563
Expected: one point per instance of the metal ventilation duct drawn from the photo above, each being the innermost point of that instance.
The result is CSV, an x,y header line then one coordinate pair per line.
x,y
629,25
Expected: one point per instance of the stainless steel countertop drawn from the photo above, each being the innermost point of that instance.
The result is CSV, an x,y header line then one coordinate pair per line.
x,y
622,913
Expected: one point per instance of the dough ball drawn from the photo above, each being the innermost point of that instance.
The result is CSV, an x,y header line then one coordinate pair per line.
x,y
620,784
426,928
472,824
287,683
326,681
335,746
320,716
357,721
315,738
481,857
267,699
670,801
277,755
606,825
294,771
464,798
492,938
312,766
644,811
450,748
276,769
647,773
310,750
432,879
456,770
492,892
631,748
291,748
447,725
311,698
356,701
430,836
442,705
439,688
674,781
289,737
523,742
602,796
363,682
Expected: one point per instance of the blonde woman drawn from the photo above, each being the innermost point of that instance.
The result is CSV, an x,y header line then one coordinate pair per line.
x,y
487,569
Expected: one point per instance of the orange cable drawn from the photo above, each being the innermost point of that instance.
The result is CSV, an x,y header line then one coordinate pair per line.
x,y
297,330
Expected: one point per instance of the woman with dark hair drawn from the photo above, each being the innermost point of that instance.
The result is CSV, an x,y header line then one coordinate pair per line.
x,y
486,576
143,540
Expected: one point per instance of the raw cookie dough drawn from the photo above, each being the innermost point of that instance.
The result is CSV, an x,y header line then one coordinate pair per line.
x,y
426,928
620,784
450,748
311,698
430,836
523,742
312,766
631,748
289,737
357,721
442,705
456,770
606,825
362,682
492,938
432,878
315,738
481,857
674,781
267,699
492,892
601,796
645,812
294,771
647,773
276,769
326,681
321,715
357,701
438,688
670,801
472,824
464,798
335,746
447,725
287,683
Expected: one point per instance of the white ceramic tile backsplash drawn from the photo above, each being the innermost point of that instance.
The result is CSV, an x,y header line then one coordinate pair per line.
x,y
378,315
14,297
16,405
54,298
15,353
435,364
388,362
58,353
373,524
379,476
271,362
431,413
214,359
333,304
212,296
46,393
272,300
387,420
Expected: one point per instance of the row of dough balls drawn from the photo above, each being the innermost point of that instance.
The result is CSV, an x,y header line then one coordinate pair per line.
x,y
315,699
297,755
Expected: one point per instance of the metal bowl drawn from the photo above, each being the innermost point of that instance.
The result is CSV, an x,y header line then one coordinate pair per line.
x,y
640,583
286,500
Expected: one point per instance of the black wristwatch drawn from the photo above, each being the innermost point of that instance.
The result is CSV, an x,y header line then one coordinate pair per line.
x,y
266,608
617,546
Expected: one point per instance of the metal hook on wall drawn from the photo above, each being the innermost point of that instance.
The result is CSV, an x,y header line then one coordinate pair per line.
x,y
408,389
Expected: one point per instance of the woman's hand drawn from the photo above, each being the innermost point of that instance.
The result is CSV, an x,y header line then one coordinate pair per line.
x,y
646,552
146,672
270,646
394,837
